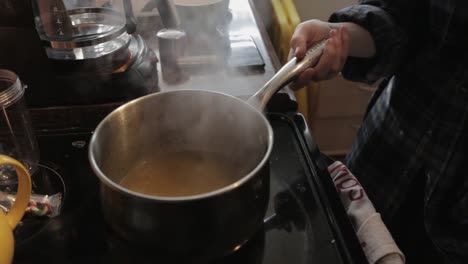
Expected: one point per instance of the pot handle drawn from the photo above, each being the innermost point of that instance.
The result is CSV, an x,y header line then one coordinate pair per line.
x,y
286,74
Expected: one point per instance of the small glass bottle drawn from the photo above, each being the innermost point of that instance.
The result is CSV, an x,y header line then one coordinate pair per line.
x,y
17,138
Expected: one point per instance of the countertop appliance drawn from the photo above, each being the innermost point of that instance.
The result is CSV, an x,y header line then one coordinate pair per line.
x,y
305,222
104,75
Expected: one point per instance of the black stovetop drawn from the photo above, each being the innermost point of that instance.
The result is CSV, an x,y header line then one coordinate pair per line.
x,y
305,222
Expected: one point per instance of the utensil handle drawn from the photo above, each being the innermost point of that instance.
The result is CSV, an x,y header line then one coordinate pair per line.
x,y
131,21
286,74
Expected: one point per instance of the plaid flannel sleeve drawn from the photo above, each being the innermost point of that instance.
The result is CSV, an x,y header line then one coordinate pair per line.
x,y
387,26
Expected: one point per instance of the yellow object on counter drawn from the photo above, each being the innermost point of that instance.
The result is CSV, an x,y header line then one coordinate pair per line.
x,y
285,20
9,221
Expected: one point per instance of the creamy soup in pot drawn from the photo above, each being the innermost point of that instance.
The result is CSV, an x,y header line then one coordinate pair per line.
x,y
181,174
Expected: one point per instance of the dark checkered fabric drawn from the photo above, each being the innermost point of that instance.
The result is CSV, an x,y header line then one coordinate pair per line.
x,y
417,119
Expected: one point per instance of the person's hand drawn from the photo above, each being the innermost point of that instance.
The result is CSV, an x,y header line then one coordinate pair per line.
x,y
334,56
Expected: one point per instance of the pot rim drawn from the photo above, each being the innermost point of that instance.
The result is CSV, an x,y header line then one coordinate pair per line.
x,y
110,183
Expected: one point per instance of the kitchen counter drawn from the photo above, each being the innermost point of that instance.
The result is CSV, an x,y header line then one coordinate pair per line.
x,y
244,22
306,222
241,82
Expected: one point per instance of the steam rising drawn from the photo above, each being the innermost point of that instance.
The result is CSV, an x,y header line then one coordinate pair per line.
x,y
189,120
181,121
195,120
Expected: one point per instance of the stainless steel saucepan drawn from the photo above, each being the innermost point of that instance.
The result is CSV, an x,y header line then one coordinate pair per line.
x,y
202,226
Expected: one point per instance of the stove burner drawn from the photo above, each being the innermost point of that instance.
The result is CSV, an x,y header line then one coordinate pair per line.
x,y
122,252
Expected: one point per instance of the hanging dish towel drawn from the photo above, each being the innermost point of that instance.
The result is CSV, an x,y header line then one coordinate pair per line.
x,y
376,241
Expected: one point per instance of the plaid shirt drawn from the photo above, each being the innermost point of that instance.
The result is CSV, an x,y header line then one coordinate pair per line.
x,y
417,119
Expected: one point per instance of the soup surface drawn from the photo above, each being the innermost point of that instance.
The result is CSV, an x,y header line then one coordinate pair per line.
x,y
180,174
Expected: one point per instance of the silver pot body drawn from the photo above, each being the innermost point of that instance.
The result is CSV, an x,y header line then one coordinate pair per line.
x,y
197,227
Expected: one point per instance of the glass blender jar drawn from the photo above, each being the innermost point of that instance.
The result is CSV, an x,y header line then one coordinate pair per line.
x,y
81,29
17,138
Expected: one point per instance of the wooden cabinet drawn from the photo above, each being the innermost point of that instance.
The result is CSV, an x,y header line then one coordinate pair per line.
x,y
320,9
339,106
334,108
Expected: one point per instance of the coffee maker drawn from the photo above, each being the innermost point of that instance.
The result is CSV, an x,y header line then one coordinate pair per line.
x,y
76,52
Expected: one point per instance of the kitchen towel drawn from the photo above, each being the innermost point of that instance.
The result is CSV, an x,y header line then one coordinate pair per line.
x,y
376,241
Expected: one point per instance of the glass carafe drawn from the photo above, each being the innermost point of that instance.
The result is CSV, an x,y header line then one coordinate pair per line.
x,y
81,29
